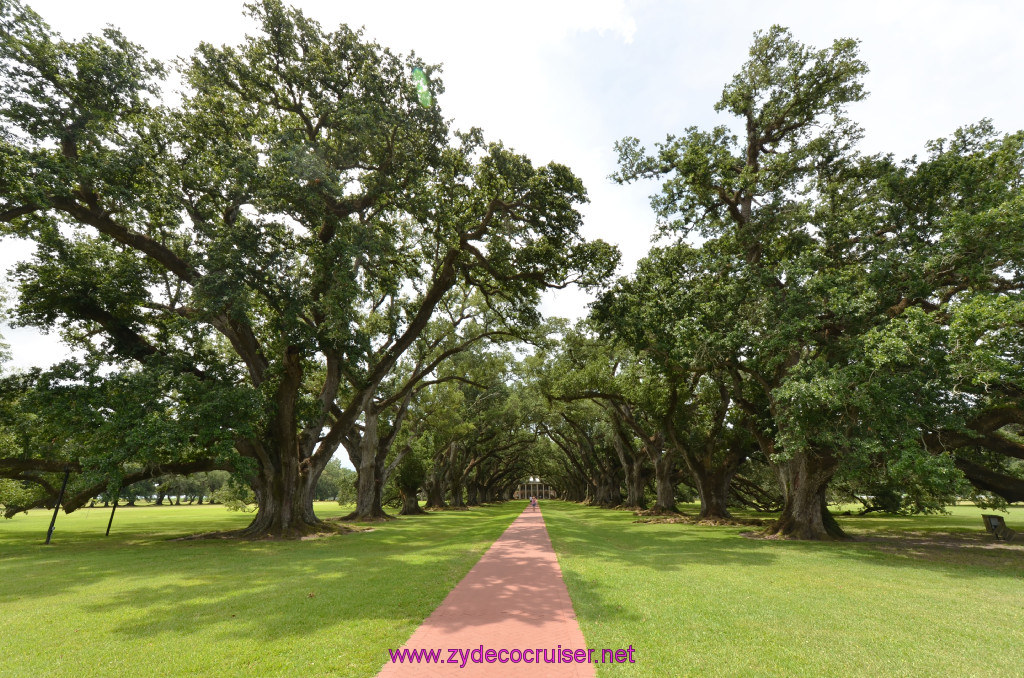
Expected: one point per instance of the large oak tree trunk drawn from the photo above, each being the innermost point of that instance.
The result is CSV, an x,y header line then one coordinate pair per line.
x,y
607,490
634,470
368,458
285,502
713,489
575,491
805,513
665,488
410,504
285,486
435,494
368,491
711,473
636,480
455,489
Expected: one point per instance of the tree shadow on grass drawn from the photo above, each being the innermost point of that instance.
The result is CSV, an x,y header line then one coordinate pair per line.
x,y
655,546
219,589
615,562
143,586
612,536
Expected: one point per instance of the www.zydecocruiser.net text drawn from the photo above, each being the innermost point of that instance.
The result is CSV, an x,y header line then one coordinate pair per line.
x,y
531,655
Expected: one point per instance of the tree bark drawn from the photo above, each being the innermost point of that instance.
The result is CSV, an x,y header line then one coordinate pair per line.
x,y
457,501
665,488
285,501
368,491
1008,487
435,494
607,491
653,448
455,479
410,504
634,469
364,453
713,489
805,514
285,485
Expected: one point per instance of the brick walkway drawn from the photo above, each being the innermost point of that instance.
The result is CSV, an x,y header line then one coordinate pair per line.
x,y
514,598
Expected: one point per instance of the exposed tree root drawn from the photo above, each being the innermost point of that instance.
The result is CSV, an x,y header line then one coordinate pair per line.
x,y
648,517
326,528
767,534
657,511
375,517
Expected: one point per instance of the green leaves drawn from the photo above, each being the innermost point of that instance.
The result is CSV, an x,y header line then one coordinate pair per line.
x,y
785,85
78,93
790,99
859,310
297,239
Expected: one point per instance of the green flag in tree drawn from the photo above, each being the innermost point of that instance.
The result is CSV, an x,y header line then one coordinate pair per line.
x,y
422,86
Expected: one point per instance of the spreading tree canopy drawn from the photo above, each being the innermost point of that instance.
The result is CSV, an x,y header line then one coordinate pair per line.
x,y
262,254
856,311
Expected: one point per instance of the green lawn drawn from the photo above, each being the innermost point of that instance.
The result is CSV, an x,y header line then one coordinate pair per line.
x,y
693,600
136,603
704,601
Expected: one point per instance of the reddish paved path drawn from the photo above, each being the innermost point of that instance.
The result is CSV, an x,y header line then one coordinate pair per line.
x,y
513,598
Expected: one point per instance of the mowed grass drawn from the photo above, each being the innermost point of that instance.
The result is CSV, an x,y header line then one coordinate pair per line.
x,y
705,601
136,603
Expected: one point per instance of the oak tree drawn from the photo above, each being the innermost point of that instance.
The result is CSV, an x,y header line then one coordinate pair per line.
x,y
281,237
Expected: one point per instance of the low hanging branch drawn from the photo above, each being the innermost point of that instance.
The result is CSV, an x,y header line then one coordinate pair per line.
x,y
15,469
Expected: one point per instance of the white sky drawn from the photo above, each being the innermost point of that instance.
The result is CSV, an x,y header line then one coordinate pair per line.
x,y
562,80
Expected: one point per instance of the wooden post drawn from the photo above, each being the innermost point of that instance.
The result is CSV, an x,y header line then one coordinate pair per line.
x,y
111,521
60,500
